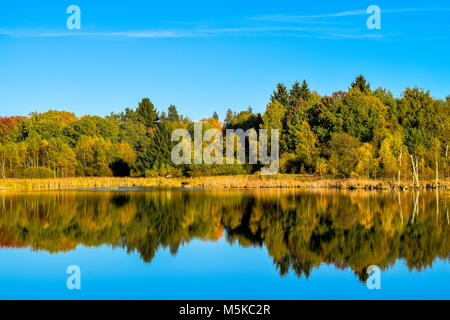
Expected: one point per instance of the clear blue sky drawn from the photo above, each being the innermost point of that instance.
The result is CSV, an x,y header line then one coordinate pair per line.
x,y
206,56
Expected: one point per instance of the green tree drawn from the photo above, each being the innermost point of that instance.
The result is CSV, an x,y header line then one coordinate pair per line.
x,y
229,118
306,150
280,95
61,158
366,161
147,113
273,117
390,155
361,84
294,122
299,92
343,154
172,114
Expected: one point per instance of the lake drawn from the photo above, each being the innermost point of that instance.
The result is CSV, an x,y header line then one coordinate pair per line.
x,y
224,244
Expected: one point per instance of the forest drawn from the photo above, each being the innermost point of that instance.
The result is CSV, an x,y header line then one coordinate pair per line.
x,y
358,133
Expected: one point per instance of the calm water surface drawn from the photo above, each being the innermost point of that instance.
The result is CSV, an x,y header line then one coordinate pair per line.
x,y
194,244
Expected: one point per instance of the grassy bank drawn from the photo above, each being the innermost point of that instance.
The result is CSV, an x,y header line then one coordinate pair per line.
x,y
241,181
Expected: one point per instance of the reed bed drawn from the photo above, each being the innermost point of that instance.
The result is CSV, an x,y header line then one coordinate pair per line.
x,y
240,182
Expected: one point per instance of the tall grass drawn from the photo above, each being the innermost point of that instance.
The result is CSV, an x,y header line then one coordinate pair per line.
x,y
239,181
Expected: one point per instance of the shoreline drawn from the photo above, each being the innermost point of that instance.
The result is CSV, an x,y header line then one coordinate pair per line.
x,y
280,181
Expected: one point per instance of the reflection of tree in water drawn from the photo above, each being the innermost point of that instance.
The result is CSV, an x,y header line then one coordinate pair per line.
x,y
301,230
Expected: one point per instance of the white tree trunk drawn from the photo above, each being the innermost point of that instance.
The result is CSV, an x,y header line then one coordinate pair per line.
x,y
400,165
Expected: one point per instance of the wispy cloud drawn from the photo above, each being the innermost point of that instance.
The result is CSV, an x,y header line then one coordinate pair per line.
x,y
40,33
172,33
319,33
307,18
121,34
293,18
316,25
360,36
6,32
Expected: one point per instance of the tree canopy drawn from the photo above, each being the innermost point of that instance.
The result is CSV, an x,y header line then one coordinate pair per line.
x,y
360,132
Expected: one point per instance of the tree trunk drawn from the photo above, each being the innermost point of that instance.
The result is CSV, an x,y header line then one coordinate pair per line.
x,y
417,171
446,159
400,165
437,168
415,168
3,168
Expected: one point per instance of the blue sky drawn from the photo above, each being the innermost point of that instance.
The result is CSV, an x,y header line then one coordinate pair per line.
x,y
206,56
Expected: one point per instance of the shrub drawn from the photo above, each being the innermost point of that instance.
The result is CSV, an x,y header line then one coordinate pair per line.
x,y
162,170
289,163
197,170
38,172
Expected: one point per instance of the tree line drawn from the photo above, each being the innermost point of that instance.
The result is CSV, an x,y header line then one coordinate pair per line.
x,y
360,133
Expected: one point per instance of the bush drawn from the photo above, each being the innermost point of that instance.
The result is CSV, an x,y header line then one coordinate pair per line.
x,y
289,163
162,170
38,172
197,170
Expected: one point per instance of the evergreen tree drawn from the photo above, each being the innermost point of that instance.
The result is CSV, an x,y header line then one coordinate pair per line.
x,y
281,95
147,113
229,118
173,113
361,84
299,92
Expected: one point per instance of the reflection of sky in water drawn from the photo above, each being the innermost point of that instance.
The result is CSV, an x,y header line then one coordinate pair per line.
x,y
200,270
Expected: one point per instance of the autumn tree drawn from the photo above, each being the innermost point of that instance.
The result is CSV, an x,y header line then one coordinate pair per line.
x,y
343,154
306,150
366,161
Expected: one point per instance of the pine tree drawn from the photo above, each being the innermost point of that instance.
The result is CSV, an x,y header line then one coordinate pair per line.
x,y
294,93
229,118
147,113
173,113
305,93
281,95
361,84
299,92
